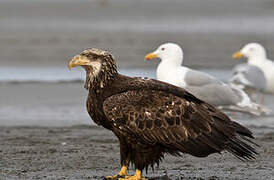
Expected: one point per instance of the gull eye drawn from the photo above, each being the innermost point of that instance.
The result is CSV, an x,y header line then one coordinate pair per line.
x,y
251,49
163,49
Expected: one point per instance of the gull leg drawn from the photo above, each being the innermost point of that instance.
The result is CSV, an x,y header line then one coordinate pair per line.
x,y
262,98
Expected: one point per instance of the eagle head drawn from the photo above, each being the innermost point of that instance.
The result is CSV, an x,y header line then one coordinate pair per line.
x,y
99,65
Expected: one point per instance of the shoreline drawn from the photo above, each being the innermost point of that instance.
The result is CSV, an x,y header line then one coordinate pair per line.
x,y
64,104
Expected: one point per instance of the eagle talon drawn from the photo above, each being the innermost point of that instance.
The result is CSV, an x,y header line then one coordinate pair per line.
x,y
111,177
121,174
132,178
116,177
137,176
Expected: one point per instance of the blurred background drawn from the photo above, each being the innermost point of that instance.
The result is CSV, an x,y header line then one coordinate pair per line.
x,y
38,37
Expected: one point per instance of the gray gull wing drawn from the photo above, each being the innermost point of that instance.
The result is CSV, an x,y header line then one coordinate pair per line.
x,y
198,78
249,76
216,94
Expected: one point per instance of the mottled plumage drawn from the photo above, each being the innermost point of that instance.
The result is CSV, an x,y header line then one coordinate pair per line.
x,y
151,118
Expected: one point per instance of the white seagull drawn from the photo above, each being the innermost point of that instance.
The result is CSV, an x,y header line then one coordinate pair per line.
x,y
200,84
256,56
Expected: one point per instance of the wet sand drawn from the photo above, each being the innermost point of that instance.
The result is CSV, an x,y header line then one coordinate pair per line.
x,y
89,152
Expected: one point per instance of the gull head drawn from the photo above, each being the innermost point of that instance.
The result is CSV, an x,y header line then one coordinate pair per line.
x,y
251,51
168,52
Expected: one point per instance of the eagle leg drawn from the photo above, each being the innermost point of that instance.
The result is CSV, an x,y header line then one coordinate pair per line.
x,y
122,173
125,155
137,176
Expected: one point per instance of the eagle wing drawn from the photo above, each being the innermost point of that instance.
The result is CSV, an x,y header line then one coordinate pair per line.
x,y
158,117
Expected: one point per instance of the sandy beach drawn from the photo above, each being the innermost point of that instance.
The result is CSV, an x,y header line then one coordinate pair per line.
x,y
89,152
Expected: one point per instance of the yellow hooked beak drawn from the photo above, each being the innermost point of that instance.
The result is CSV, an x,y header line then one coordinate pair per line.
x,y
78,60
150,56
238,55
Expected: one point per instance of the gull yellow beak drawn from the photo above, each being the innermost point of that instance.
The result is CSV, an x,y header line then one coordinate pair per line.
x,y
78,60
238,55
150,56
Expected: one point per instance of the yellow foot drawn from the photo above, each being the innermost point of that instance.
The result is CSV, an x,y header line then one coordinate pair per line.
x,y
115,177
137,176
132,178
122,174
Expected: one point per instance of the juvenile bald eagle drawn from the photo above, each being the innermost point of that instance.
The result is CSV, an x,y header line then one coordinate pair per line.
x,y
151,118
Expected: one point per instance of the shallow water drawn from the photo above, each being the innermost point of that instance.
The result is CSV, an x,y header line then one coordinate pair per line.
x,y
56,97
54,74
